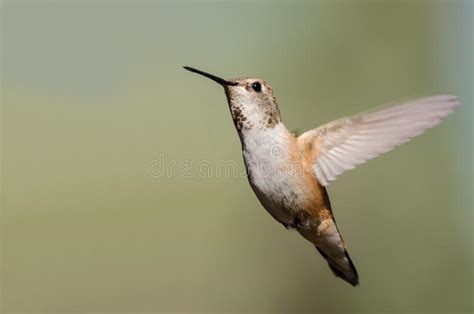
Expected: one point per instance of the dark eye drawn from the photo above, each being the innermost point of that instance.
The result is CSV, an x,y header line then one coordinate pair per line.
x,y
256,86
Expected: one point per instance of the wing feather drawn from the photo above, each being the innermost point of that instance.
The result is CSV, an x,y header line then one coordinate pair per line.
x,y
348,142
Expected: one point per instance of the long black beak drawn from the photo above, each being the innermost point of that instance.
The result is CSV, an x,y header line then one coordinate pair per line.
x,y
217,79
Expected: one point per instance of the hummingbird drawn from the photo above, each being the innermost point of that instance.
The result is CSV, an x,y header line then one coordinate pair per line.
x,y
289,173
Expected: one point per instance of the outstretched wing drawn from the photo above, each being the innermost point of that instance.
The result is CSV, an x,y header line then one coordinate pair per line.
x,y
345,143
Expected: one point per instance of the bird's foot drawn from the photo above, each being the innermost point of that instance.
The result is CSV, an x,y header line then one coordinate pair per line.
x,y
300,221
288,226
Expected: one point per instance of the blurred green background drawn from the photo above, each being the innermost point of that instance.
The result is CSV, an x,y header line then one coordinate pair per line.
x,y
93,93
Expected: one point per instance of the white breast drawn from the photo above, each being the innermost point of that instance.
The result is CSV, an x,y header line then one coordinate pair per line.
x,y
267,159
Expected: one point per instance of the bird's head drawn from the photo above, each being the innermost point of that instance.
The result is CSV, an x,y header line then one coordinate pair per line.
x,y
251,102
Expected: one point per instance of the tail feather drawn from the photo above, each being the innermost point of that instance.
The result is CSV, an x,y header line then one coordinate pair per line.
x,y
343,269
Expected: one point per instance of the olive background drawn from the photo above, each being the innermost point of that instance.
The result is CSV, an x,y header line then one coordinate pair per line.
x,y
95,104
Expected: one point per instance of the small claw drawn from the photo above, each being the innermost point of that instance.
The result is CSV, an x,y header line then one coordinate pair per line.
x,y
300,221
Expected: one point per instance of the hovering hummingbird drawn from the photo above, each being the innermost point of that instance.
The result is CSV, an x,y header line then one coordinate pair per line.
x,y
289,173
